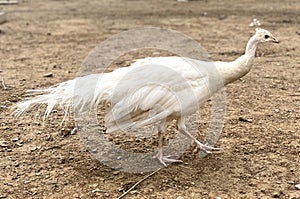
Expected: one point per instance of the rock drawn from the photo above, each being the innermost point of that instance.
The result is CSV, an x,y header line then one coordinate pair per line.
x,y
290,182
297,186
27,182
15,139
241,119
93,186
276,110
19,144
48,137
275,195
8,2
4,144
116,172
180,197
96,190
48,75
222,17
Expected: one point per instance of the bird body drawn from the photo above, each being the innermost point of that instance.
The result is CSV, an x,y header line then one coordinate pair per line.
x,y
153,89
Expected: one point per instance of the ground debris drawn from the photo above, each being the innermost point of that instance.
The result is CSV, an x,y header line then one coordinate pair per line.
x,y
4,144
8,2
241,119
48,74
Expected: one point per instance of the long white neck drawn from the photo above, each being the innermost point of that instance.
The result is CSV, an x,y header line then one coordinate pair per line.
x,y
232,71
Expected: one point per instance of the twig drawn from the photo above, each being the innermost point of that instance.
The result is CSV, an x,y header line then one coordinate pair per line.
x,y
3,84
139,182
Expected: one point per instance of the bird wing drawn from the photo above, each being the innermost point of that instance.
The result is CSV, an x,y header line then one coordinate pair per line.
x,y
154,89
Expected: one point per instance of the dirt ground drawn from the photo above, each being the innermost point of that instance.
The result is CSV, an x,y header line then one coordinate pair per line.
x,y
260,141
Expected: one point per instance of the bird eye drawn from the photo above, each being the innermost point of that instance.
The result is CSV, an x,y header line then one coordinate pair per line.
x,y
267,36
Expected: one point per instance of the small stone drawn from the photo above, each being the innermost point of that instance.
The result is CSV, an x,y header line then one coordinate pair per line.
x,y
95,190
297,186
19,144
275,195
180,197
116,172
276,110
241,119
222,17
15,139
34,148
4,144
48,137
3,196
93,185
290,182
48,75
8,2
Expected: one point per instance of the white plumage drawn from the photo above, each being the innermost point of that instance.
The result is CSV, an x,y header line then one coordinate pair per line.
x,y
158,89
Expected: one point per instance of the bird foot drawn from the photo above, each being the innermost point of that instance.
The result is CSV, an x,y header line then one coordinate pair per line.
x,y
205,148
165,159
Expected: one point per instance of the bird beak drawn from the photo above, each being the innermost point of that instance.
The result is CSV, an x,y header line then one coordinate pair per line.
x,y
275,40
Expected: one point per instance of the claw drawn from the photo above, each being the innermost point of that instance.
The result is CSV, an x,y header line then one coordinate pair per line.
x,y
205,148
165,159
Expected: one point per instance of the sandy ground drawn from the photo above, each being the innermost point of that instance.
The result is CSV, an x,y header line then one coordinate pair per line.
x,y
260,140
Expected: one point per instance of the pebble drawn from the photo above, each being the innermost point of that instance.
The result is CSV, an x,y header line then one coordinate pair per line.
x,y
275,195
116,172
48,75
241,119
297,186
222,17
290,182
27,182
276,110
96,190
15,139
19,144
4,144
180,197
48,137
10,2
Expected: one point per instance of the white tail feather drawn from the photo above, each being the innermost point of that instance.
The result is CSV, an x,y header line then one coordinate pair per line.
x,y
78,92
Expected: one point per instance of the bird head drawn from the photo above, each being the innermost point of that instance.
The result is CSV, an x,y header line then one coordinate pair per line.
x,y
263,35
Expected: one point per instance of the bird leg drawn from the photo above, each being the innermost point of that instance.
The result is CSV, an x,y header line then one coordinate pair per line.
x,y
163,159
204,147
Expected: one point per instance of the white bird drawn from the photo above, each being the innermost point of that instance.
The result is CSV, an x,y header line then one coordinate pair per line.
x,y
154,89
